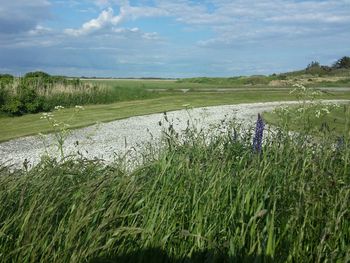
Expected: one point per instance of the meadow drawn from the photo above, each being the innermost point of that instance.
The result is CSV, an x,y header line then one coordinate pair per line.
x,y
223,195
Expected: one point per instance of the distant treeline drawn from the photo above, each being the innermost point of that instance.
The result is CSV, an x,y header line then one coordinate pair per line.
x,y
316,68
340,68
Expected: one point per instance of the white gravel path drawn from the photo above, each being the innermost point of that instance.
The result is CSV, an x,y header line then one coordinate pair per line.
x,y
106,140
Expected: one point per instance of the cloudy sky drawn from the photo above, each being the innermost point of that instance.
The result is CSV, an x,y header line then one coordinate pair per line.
x,y
170,38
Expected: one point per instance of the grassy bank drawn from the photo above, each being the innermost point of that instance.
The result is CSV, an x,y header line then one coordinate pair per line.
x,y
195,202
320,118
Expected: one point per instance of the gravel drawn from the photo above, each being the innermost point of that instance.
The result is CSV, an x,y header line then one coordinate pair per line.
x,y
106,141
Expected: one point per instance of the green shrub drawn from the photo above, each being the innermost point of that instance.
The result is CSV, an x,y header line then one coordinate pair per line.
x,y
3,95
37,74
13,107
6,79
343,62
25,101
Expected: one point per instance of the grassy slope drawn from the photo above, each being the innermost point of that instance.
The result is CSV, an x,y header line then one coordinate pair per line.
x,y
337,120
13,127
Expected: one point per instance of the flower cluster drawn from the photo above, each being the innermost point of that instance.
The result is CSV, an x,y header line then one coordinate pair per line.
x,y
59,107
47,115
258,136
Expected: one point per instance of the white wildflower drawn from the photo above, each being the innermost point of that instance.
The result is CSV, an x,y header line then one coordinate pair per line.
x,y
318,114
59,107
326,110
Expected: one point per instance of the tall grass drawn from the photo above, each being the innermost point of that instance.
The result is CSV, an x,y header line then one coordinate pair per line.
x,y
35,94
205,197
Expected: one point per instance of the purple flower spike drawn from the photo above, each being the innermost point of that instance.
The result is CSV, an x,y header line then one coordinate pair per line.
x,y
258,136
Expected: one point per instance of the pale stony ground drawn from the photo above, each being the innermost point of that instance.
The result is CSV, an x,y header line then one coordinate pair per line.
x,y
106,141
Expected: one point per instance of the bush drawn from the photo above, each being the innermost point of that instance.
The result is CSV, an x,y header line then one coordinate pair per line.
x,y
3,95
344,62
6,79
25,101
13,107
37,74
31,101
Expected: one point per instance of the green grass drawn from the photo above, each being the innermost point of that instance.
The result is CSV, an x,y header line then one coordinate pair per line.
x,y
233,81
192,84
193,202
150,84
337,121
339,83
13,127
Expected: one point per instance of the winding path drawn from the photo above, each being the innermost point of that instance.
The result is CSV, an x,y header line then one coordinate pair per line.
x,y
108,140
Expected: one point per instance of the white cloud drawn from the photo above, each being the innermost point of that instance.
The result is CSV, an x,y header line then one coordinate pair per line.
x,y
243,21
105,19
108,21
305,18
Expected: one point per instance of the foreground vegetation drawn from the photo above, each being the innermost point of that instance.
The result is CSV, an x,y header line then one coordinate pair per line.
x,y
204,197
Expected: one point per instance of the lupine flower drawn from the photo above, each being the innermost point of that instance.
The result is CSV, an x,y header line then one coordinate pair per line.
x,y
234,135
258,136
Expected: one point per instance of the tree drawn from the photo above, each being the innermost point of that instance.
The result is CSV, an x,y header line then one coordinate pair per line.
x,y
313,65
37,74
344,62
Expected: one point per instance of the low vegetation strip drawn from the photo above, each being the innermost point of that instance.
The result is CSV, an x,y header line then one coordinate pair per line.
x,y
38,92
108,141
31,124
204,197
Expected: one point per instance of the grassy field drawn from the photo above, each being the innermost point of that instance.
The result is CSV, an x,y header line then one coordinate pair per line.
x,y
193,84
194,202
13,127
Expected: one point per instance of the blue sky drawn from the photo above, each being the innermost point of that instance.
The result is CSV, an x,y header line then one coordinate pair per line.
x,y
169,38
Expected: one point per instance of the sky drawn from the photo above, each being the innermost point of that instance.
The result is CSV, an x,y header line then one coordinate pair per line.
x,y
171,38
